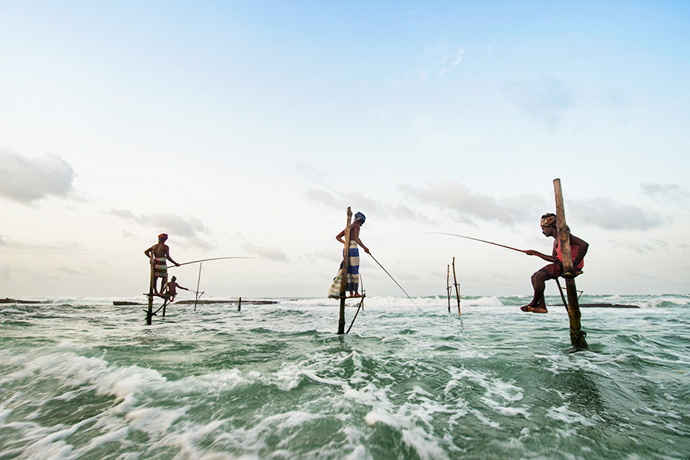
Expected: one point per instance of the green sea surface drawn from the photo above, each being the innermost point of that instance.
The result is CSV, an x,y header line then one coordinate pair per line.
x,y
85,379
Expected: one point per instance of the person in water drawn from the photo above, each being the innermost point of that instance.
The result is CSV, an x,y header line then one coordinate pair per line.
x,y
352,279
171,289
578,249
158,254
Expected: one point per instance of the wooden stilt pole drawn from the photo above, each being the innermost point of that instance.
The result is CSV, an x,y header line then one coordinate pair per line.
x,y
239,304
577,335
455,283
149,313
448,288
343,279
196,298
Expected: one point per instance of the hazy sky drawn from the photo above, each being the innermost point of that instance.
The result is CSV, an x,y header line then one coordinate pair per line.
x,y
247,129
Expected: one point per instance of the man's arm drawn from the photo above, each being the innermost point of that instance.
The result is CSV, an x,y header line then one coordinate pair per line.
x,y
532,252
167,256
582,246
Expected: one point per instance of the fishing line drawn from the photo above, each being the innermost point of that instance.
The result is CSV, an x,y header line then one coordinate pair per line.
x,y
482,241
408,295
214,258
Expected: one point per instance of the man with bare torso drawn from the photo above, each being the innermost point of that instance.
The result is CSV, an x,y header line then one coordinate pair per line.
x,y
352,275
578,249
171,289
158,254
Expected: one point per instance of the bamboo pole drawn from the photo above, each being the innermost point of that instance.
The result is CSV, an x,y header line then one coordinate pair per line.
x,y
149,313
448,288
343,278
577,335
198,280
239,304
457,291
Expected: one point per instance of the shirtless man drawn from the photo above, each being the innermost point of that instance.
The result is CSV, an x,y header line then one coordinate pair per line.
x,y
158,253
352,279
578,249
171,289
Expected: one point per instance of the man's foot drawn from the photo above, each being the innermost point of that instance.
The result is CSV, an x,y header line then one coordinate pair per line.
x,y
356,294
526,307
535,309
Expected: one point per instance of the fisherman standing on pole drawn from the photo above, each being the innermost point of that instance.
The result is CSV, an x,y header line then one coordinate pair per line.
x,y
159,253
352,275
555,268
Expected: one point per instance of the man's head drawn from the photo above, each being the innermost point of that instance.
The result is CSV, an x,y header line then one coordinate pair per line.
x,y
162,237
359,217
174,278
548,224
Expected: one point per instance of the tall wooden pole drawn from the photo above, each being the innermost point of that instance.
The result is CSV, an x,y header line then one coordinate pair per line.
x,y
448,288
343,278
455,282
198,280
577,335
149,313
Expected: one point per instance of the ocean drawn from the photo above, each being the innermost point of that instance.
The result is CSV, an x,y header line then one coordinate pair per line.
x,y
82,378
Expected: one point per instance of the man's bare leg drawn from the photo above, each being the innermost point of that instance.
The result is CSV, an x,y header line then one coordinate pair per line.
x,y
538,304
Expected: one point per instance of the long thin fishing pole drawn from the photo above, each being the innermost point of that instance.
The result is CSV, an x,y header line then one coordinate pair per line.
x,y
196,297
206,260
481,241
401,288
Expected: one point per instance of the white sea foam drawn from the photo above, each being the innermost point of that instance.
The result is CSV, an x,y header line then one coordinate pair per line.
x,y
444,386
564,414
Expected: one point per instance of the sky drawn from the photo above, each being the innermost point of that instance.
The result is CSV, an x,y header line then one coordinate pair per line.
x,y
246,129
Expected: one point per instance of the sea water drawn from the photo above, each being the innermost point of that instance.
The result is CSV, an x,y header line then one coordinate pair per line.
x,y
85,379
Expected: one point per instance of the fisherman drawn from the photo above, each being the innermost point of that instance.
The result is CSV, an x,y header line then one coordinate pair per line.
x,y
171,289
578,250
158,253
352,278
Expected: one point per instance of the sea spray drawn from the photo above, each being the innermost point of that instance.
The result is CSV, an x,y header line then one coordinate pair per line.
x,y
82,378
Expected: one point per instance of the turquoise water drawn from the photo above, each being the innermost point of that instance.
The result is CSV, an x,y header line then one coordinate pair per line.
x,y
84,379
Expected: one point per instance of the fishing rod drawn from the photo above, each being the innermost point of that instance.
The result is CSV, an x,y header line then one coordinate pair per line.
x,y
481,241
408,295
206,260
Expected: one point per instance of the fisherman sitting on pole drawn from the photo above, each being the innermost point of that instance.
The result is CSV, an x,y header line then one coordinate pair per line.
x,y
171,289
578,249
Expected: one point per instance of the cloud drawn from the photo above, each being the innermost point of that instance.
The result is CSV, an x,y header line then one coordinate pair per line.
x,y
468,205
544,100
664,193
358,201
442,59
265,252
189,228
607,214
28,180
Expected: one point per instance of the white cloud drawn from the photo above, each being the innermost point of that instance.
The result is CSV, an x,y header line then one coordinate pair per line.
x,y
28,180
264,252
190,228
664,193
469,205
610,215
